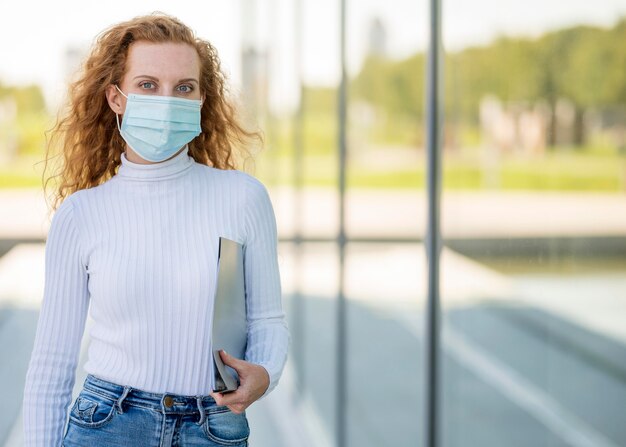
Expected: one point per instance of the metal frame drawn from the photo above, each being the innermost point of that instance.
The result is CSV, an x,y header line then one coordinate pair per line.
x,y
433,235
341,394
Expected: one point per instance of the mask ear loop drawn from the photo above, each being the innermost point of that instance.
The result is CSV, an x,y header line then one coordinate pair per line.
x,y
117,117
118,89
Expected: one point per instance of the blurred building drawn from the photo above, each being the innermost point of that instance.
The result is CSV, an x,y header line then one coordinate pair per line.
x,y
377,37
254,83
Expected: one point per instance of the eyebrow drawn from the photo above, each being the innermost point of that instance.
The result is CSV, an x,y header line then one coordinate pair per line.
x,y
156,79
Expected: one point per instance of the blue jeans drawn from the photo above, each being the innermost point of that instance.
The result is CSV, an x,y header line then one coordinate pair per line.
x,y
107,414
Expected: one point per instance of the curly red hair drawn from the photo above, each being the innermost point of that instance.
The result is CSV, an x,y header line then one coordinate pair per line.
x,y
86,132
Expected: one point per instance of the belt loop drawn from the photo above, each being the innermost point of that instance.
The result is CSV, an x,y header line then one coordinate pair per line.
x,y
201,409
121,399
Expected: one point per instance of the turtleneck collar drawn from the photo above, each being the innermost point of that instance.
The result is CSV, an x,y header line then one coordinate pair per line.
x,y
156,171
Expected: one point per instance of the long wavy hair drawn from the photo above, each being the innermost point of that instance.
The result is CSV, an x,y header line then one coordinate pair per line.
x,y
85,134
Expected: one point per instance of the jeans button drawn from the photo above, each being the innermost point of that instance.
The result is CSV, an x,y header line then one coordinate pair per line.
x,y
168,401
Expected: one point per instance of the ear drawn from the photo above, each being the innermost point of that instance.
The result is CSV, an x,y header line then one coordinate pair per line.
x,y
116,101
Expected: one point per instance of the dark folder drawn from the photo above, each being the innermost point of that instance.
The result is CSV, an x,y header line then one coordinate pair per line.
x,y
229,314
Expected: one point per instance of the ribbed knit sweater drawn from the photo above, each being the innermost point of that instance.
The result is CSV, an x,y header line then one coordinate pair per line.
x,y
139,253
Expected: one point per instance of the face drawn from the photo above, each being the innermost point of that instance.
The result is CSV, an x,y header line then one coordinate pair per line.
x,y
164,69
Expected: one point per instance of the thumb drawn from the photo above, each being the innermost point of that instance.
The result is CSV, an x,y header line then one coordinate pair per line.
x,y
231,361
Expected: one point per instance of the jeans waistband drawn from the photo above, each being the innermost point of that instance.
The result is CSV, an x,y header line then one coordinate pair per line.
x,y
168,403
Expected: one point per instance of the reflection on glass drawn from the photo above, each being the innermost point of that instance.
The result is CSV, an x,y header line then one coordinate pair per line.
x,y
534,268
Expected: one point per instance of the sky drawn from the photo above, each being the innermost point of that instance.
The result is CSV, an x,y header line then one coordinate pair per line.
x,y
35,35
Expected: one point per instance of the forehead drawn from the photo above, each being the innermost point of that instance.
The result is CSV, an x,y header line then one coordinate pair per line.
x,y
167,59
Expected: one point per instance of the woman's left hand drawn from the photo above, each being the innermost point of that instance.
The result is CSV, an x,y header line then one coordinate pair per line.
x,y
253,382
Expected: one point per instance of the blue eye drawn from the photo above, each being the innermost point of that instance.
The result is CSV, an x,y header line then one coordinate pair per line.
x,y
185,88
143,84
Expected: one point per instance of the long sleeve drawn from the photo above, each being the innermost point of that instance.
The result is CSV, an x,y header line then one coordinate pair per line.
x,y
51,371
268,334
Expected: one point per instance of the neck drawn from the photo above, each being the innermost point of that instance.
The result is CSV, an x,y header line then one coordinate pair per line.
x,y
173,167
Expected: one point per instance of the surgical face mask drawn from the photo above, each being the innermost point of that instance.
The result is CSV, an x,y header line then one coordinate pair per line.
x,y
156,127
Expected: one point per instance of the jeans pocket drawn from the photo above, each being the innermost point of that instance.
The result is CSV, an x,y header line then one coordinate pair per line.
x,y
91,410
224,427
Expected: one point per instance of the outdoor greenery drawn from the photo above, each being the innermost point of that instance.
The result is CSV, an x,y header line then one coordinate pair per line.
x,y
585,64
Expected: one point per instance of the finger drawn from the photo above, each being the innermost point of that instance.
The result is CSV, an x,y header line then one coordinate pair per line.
x,y
231,361
224,398
228,398
238,408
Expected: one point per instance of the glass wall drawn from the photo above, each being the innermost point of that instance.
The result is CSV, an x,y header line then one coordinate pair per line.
x,y
534,267
385,260
382,277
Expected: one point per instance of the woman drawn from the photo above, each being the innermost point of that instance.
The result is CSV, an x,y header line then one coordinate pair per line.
x,y
148,185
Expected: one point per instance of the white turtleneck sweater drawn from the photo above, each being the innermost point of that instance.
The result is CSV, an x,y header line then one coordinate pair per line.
x,y
140,253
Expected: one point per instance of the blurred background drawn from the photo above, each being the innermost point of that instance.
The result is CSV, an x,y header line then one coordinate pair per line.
x,y
533,209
